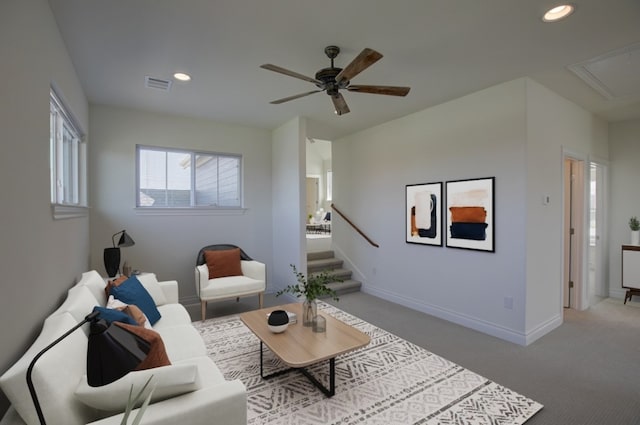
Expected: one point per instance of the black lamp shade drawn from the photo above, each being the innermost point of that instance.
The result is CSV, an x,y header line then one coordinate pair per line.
x,y
125,240
112,261
112,353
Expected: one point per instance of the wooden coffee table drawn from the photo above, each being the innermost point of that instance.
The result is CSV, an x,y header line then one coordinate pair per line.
x,y
299,347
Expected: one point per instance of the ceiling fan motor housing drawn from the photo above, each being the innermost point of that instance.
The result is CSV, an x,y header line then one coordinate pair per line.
x,y
328,78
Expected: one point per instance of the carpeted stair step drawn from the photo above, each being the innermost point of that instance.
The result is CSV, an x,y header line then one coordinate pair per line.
x,y
319,255
344,287
323,264
318,262
340,273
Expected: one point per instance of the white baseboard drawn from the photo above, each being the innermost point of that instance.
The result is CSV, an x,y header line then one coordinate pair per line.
x,y
618,293
483,326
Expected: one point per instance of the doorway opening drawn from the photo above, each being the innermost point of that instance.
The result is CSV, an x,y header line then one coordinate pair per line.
x,y
585,239
597,283
319,187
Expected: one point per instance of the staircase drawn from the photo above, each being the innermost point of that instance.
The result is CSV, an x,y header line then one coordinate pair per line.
x,y
326,261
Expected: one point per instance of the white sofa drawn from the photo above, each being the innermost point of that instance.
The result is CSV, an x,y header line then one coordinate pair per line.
x,y
192,390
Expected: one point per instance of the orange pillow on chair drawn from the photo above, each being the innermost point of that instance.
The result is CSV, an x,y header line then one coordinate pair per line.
x,y
223,263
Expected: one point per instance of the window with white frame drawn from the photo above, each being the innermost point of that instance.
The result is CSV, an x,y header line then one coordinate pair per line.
x,y
177,178
68,157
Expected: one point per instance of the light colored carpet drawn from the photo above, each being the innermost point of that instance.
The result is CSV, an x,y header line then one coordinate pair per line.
x,y
391,381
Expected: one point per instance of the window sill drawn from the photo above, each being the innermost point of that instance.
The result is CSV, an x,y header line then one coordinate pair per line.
x,y
62,212
189,211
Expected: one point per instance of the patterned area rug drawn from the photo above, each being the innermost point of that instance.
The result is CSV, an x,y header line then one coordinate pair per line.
x,y
391,381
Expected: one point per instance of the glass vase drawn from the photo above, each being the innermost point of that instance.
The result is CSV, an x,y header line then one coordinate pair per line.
x,y
309,311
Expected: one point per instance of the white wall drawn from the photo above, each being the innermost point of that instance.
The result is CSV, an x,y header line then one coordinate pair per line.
x,y
553,124
513,131
289,197
624,142
168,244
39,257
480,135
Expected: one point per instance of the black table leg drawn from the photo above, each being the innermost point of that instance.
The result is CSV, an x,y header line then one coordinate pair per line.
x,y
329,392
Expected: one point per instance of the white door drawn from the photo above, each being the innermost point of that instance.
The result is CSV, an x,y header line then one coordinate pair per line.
x,y
574,210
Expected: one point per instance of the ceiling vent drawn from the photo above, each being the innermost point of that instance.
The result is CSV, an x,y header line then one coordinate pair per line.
x,y
157,83
615,75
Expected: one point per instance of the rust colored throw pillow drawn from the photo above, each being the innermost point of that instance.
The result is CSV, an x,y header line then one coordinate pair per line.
x,y
136,314
223,263
112,283
157,355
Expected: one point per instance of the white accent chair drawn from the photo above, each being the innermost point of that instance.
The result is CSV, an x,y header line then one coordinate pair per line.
x,y
252,282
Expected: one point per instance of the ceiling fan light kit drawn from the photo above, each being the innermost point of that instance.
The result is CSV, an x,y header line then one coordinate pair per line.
x,y
331,80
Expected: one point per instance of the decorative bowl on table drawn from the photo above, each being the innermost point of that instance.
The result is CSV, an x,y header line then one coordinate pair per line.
x,y
278,321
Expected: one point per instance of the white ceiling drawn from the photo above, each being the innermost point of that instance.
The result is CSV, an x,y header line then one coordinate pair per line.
x,y
442,49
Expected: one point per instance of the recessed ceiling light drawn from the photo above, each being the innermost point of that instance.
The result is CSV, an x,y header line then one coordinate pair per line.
x,y
557,13
182,76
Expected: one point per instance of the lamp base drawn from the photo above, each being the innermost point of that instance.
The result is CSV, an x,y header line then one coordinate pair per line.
x,y
112,261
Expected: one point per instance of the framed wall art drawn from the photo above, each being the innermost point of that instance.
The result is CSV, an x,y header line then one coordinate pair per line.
x,y
424,213
470,214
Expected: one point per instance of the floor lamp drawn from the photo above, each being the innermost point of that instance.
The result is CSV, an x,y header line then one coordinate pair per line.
x,y
112,353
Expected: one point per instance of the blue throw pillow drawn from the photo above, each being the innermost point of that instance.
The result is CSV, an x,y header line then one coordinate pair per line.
x,y
112,315
131,291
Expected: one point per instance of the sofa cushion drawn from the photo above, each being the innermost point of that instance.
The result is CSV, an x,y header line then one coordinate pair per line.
x,y
223,263
167,381
172,315
150,283
131,291
182,342
230,286
95,283
55,375
79,303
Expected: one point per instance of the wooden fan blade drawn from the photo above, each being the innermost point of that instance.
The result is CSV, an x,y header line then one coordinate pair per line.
x,y
388,90
340,104
284,71
296,96
364,60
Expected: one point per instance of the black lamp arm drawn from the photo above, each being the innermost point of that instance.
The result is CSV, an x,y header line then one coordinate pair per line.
x,y
89,318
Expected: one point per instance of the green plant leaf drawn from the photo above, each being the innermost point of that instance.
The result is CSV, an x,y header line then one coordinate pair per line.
x,y
312,286
133,401
144,406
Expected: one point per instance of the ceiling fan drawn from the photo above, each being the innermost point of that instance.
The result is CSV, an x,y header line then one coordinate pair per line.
x,y
333,79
